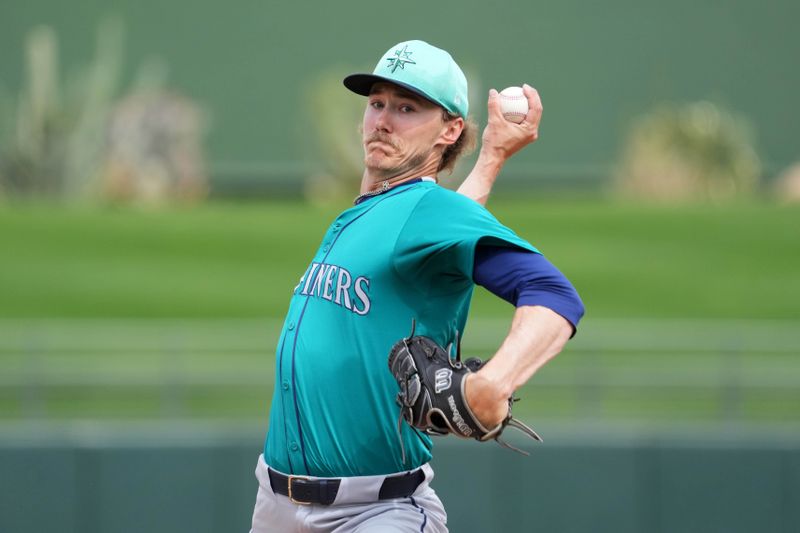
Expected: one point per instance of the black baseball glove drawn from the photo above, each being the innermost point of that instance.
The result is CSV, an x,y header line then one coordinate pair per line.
x,y
431,396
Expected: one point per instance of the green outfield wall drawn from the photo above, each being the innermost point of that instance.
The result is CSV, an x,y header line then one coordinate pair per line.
x,y
88,480
597,65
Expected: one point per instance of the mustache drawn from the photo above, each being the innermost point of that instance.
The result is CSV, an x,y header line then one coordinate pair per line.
x,y
379,137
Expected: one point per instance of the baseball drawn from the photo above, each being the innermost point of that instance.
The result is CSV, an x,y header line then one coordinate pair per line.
x,y
513,104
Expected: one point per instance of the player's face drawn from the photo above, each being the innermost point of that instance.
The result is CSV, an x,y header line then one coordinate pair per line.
x,y
403,131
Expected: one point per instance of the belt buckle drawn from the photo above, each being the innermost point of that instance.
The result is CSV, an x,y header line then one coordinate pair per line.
x,y
291,498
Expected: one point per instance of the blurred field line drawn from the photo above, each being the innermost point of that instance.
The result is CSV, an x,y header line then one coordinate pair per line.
x,y
632,379
250,332
224,339
729,358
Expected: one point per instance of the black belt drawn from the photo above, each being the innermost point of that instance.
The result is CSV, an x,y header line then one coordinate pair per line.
x,y
323,491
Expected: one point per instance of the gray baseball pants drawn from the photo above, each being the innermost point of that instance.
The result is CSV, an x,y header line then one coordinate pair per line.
x,y
356,509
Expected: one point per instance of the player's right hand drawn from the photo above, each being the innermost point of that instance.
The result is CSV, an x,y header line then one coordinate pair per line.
x,y
502,138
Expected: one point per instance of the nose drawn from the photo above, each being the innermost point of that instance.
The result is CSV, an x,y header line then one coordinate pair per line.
x,y
383,120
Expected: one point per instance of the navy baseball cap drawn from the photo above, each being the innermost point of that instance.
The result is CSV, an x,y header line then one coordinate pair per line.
x,y
422,69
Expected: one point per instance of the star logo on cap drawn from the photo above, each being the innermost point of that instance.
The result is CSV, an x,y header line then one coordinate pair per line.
x,y
403,58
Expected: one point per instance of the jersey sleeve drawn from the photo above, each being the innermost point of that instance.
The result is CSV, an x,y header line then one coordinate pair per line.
x,y
524,278
436,246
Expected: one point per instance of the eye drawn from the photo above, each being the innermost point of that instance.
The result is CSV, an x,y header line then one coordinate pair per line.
x,y
405,108
376,104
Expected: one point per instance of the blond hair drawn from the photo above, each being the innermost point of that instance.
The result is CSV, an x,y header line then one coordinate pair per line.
x,y
463,146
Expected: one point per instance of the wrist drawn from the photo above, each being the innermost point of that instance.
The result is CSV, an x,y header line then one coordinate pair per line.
x,y
493,387
491,160
485,401
502,388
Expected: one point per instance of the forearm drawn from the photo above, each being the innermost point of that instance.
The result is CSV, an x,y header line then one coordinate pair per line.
x,y
537,335
478,184
500,140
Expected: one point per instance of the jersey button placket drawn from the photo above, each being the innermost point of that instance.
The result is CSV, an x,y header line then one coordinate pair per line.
x,y
288,389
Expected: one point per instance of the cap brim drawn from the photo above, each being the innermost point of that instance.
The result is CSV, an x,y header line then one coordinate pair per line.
x,y
362,84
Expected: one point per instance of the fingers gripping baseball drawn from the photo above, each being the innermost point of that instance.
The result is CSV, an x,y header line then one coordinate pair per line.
x,y
495,113
535,108
504,137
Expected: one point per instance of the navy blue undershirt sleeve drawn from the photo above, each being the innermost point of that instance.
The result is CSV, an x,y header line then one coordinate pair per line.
x,y
522,277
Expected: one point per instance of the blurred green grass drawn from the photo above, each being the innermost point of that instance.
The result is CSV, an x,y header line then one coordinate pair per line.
x,y
242,260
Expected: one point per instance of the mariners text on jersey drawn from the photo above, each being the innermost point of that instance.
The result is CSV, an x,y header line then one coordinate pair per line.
x,y
336,284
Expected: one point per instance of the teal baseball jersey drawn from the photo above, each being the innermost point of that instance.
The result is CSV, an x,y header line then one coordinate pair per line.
x,y
405,254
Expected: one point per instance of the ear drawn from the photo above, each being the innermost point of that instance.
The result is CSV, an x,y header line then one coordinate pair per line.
x,y
452,130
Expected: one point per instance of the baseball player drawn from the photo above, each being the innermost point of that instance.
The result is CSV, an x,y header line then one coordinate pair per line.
x,y
336,456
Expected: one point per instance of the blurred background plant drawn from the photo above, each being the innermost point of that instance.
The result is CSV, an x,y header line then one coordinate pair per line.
x,y
80,142
52,144
689,152
786,188
335,115
154,144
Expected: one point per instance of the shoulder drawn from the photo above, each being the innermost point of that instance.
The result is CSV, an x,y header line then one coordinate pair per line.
x,y
446,217
437,193
438,201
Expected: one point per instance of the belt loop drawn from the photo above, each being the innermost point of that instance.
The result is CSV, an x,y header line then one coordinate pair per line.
x,y
329,490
